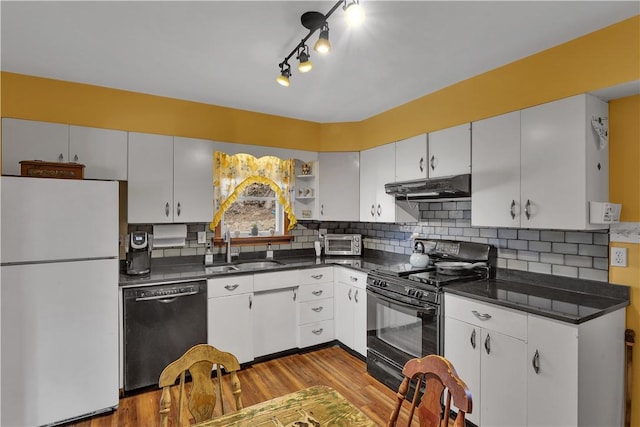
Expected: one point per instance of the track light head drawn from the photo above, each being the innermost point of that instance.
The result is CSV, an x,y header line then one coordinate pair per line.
x,y
303,56
285,73
322,45
354,12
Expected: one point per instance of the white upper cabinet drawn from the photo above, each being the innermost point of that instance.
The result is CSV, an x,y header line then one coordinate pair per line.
x,y
411,158
29,140
169,181
495,184
540,167
450,151
102,151
339,186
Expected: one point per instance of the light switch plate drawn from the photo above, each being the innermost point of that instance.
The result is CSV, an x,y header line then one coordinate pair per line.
x,y
202,237
618,257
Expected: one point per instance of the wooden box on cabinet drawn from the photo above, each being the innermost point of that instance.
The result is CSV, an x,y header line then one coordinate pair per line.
x,y
41,169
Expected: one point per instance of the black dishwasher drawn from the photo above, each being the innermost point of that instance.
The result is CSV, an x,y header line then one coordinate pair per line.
x,y
161,322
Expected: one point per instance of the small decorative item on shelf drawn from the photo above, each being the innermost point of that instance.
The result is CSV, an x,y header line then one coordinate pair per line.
x,y
306,169
306,213
254,229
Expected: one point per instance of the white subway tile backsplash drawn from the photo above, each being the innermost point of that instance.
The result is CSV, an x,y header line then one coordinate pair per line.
x,y
539,267
593,250
528,256
489,233
540,246
518,244
552,236
515,264
565,248
576,237
528,235
552,258
591,274
578,261
507,233
564,270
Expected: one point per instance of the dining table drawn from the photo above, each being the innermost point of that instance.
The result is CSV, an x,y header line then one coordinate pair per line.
x,y
315,406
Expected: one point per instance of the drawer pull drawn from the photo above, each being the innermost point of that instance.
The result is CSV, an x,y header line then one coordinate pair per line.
x,y
317,309
317,293
250,302
317,331
355,296
353,278
473,339
535,362
317,276
487,344
483,316
231,287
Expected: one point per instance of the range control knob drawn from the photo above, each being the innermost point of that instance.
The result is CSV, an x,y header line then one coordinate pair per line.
x,y
419,294
411,291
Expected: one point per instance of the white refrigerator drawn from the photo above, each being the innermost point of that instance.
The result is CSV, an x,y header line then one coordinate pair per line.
x,y
59,299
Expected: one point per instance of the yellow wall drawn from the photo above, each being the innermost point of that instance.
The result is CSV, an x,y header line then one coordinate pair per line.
x,y
624,187
602,59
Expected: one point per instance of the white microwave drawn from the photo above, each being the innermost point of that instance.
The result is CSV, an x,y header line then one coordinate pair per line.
x,y
343,244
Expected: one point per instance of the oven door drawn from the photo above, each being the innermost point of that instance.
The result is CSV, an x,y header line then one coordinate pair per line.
x,y
398,331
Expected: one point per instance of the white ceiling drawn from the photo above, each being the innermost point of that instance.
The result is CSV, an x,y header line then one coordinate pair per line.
x,y
227,52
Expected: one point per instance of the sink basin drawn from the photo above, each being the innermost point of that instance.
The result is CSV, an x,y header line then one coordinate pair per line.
x,y
220,269
257,265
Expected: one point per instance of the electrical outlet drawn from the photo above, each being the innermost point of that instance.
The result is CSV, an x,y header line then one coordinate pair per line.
x,y
618,257
202,237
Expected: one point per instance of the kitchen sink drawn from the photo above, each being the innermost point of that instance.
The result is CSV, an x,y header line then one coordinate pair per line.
x,y
220,269
257,265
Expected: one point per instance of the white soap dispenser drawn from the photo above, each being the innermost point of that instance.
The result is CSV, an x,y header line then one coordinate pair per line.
x,y
208,255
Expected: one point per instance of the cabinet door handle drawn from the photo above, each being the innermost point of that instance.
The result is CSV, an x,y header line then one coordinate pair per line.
x,y
349,295
373,210
317,293
433,162
473,339
250,302
317,276
527,209
295,295
231,287
317,309
535,362
421,164
60,158
487,344
512,211
322,209
379,211
166,209
353,278
318,331
483,316
355,296
75,158
178,209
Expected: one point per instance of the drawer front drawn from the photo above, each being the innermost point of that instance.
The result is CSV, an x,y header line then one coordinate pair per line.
x,y
487,316
315,292
315,311
315,333
229,285
275,280
316,275
351,277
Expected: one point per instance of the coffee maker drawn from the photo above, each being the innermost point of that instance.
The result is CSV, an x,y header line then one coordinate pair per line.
x,y
139,253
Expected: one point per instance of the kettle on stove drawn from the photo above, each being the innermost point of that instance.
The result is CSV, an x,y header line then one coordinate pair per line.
x,y
418,258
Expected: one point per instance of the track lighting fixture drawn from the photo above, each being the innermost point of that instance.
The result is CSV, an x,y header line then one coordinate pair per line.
x,y
316,21
303,56
355,14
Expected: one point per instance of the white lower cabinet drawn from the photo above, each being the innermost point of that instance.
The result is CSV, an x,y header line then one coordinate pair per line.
x,y
527,370
230,315
487,346
274,312
315,306
350,313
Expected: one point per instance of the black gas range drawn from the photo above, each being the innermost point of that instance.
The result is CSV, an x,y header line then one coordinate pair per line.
x,y
405,318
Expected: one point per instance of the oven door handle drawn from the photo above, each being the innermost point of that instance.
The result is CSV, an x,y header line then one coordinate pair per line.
x,y
420,309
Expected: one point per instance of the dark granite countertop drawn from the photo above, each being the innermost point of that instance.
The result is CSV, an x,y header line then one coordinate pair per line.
x,y
566,299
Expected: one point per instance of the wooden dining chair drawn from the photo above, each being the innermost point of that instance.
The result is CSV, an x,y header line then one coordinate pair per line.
x,y
201,401
432,375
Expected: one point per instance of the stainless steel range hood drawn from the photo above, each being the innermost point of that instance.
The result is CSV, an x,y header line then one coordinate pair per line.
x,y
447,187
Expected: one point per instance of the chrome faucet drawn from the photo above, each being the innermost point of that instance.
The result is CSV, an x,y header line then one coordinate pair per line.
x,y
227,239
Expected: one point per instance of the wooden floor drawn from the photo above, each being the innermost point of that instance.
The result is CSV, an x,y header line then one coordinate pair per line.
x,y
332,366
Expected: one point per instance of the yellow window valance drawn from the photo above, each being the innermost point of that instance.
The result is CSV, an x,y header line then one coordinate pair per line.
x,y
234,173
